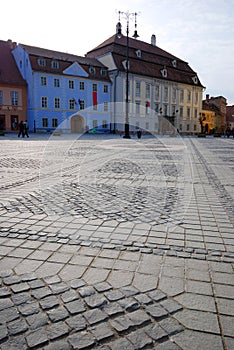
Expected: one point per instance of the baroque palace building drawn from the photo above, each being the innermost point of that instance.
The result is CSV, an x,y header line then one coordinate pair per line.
x,y
65,91
161,86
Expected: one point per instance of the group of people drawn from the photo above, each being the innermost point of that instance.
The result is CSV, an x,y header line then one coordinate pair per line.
x,y
23,129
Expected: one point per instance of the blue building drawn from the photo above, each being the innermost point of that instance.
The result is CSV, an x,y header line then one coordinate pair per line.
x,y
65,91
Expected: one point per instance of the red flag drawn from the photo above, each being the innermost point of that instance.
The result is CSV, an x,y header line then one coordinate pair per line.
x,y
95,102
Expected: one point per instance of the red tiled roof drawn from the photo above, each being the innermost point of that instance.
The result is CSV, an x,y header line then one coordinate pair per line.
x,y
153,59
65,60
9,73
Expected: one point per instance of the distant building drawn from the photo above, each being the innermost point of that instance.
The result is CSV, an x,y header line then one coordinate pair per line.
x,y
213,114
64,91
230,117
161,86
13,90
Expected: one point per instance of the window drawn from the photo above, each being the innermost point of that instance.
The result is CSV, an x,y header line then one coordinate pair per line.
x,y
54,122
94,87
105,106
71,84
165,107
45,122
55,64
157,92
103,72
105,88
173,110
138,88
81,103
165,93
56,83
189,96
41,62
174,94
188,127
57,102
196,97
181,112
72,103
181,96
14,98
43,81
147,125
95,123
92,70
195,127
195,112
104,124
174,63
82,87
147,90
164,72
94,107
138,53
44,102
188,112
0,97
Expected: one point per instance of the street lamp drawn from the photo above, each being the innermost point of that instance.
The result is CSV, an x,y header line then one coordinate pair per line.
x,y
127,15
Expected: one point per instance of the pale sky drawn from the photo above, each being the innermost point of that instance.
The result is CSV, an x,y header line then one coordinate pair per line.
x,y
199,32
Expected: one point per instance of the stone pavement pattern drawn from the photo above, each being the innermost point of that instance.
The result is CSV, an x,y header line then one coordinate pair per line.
x,y
116,244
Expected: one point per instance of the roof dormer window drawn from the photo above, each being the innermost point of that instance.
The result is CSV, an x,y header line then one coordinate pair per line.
x,y
195,80
164,72
138,53
92,70
103,72
55,64
41,62
174,63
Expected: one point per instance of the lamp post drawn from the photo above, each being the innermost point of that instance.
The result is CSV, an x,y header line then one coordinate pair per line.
x,y
127,16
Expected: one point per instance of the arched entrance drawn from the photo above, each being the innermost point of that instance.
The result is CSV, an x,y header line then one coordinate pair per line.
x,y
77,124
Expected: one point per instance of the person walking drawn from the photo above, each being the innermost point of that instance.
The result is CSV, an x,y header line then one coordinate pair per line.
x,y
26,128
21,129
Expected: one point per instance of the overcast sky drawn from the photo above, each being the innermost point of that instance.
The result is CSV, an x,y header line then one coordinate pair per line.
x,y
200,32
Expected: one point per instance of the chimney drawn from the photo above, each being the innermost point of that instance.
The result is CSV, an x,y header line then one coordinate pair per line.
x,y
207,97
153,40
11,44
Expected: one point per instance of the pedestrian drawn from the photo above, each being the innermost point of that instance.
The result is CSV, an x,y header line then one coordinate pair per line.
x,y
21,129
139,133
228,132
26,128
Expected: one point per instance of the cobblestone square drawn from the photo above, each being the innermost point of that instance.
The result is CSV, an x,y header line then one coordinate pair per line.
x,y
110,243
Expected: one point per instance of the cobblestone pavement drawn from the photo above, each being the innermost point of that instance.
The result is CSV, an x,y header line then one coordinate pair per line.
x,y
108,243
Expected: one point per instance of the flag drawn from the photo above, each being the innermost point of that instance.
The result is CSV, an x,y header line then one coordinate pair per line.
x,y
95,102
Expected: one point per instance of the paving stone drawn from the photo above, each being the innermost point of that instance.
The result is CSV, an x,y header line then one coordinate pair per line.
x,y
81,340
5,303
156,295
171,326
4,292
49,302
200,340
75,307
155,332
121,343
94,316
156,311
21,298
114,295
113,309
36,338
129,304
17,326
94,301
121,323
198,320
139,339
102,331
70,295
168,345
20,287
40,293
58,314
58,345
86,291
56,330
3,332
9,314
37,320
77,322
15,343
